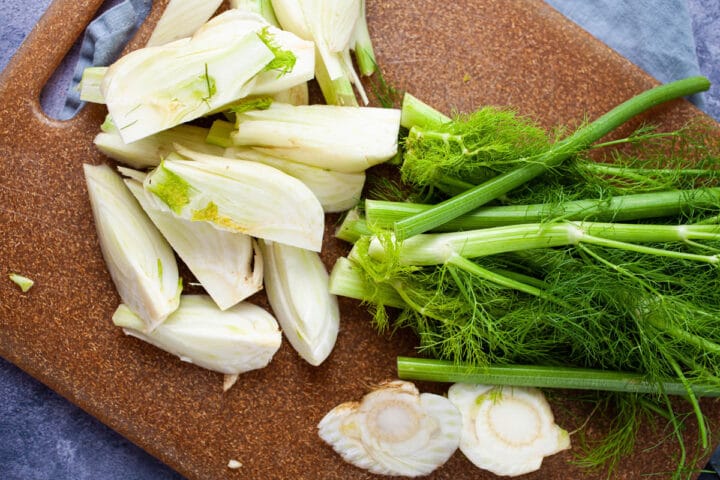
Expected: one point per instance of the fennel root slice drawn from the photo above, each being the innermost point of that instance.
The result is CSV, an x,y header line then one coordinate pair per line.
x,y
394,430
506,430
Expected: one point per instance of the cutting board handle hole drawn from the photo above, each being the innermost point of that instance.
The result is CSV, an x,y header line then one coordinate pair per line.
x,y
99,45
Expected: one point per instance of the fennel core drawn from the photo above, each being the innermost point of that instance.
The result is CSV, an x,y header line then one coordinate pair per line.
x,y
532,167
170,188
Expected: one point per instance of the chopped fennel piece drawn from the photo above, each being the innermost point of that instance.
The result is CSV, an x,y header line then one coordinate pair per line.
x,y
239,196
289,85
295,58
336,191
296,283
242,338
506,430
394,430
21,281
92,78
261,7
331,25
297,95
155,88
229,380
180,19
361,43
148,151
90,83
336,138
140,261
227,264
219,133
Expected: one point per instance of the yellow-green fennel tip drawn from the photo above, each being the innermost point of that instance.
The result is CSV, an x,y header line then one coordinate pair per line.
x,y
21,281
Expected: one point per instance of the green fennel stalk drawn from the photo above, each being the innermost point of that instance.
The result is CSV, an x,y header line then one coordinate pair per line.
x,y
542,376
601,276
383,214
538,164
439,248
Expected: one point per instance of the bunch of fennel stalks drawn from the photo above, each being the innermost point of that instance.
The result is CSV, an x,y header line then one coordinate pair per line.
x,y
243,209
519,259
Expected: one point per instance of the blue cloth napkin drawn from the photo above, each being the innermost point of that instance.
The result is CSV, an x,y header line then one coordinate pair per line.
x,y
102,44
656,35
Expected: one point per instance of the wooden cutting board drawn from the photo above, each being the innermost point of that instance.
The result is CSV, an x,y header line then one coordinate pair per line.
x,y
454,55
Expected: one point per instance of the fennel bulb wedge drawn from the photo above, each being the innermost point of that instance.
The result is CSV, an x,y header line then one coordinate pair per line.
x,y
261,7
296,283
155,88
394,430
140,261
239,196
242,338
336,27
344,139
181,18
506,430
336,191
148,151
294,61
227,264
284,78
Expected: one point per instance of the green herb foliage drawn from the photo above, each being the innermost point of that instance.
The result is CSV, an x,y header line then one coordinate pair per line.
x,y
458,146
284,60
645,306
470,149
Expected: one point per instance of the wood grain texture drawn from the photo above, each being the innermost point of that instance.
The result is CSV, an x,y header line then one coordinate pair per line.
x,y
454,55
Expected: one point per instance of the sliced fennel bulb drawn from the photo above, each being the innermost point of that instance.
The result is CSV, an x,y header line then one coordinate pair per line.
x,y
242,338
332,26
261,7
239,196
296,283
271,80
181,18
90,84
394,430
139,260
336,191
148,151
344,139
228,265
332,23
287,86
155,88
506,430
